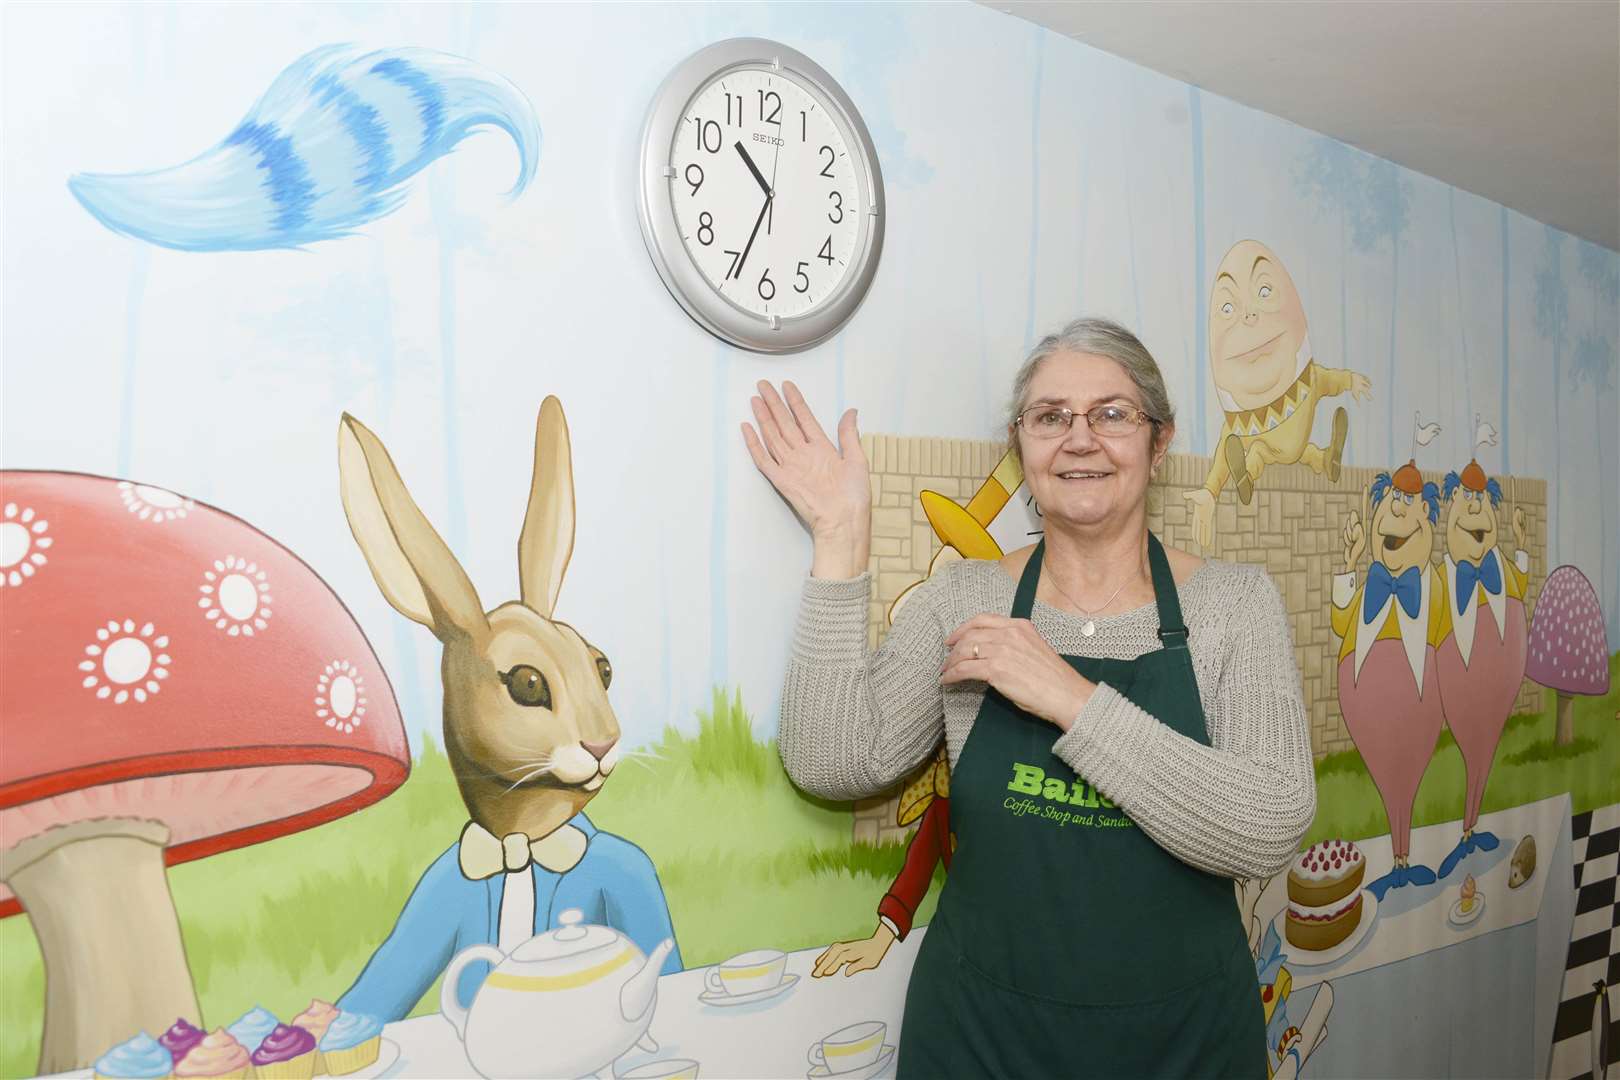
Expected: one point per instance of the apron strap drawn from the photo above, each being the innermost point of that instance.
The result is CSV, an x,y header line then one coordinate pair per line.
x,y
1024,598
1172,628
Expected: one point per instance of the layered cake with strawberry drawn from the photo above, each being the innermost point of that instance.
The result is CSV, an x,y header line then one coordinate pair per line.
x,y
1324,895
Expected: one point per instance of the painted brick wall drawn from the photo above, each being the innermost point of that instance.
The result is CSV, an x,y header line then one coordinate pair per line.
x,y
1293,527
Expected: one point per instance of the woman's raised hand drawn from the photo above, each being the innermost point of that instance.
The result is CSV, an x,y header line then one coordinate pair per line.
x,y
826,485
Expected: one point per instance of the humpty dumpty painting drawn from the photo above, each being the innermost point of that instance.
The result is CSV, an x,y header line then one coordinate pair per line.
x,y
1266,380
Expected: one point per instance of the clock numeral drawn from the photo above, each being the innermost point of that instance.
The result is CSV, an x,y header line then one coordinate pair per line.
x,y
739,110
768,96
764,280
826,170
732,269
802,122
826,251
804,277
695,184
705,225
838,204
705,128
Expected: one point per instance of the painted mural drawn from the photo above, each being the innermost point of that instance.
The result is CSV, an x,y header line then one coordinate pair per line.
x,y
341,818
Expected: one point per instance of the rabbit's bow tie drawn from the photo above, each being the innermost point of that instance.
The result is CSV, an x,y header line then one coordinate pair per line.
x,y
483,855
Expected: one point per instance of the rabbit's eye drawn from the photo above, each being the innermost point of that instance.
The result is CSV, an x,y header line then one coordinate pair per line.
x,y
604,669
527,686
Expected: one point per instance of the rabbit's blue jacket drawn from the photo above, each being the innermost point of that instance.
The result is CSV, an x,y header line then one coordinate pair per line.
x,y
613,885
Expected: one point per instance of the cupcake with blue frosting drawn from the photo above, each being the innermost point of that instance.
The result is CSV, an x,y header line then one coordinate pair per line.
x,y
140,1058
252,1027
351,1043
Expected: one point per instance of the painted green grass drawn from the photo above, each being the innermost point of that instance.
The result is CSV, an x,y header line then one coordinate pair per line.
x,y
746,862
1528,767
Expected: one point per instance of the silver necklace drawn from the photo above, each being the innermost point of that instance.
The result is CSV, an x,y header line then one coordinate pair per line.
x,y
1089,627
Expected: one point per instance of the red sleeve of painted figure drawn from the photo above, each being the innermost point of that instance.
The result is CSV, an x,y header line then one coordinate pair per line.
x,y
931,843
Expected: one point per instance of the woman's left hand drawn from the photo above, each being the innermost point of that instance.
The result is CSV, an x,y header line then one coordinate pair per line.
x,y
1011,656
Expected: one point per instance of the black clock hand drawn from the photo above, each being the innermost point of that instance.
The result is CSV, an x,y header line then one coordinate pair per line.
x,y
737,273
759,176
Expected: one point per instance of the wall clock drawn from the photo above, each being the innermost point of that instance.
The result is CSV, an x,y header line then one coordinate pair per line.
x,y
760,199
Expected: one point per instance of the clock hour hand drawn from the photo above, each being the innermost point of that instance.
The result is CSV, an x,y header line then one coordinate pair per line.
x,y
759,176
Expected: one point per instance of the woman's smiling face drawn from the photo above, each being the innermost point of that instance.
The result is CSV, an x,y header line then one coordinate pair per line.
x,y
1081,478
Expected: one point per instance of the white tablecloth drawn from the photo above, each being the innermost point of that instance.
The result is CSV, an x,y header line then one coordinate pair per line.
x,y
769,1038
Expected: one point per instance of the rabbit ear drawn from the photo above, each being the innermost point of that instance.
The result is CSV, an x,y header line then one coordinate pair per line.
x,y
548,528
412,565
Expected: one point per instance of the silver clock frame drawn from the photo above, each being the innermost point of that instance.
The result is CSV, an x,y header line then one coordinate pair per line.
x,y
662,235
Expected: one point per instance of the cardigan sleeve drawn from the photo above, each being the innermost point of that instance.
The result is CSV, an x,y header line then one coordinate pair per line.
x,y
1239,806
854,722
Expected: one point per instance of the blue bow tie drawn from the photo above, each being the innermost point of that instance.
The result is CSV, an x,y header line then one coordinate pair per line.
x,y
1488,573
1408,589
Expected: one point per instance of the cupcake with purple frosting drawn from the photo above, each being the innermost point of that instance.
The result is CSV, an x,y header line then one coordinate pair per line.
x,y
287,1053
180,1038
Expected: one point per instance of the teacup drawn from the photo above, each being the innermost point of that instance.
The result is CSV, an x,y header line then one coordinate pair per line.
x,y
747,973
673,1069
850,1048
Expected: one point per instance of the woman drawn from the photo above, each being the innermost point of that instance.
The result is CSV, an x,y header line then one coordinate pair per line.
x,y
1128,763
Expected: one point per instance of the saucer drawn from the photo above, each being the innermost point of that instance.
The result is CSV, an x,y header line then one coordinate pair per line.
x,y
1456,917
711,997
884,1059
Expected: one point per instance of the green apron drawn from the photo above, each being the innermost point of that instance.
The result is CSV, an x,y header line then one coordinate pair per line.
x,y
1067,942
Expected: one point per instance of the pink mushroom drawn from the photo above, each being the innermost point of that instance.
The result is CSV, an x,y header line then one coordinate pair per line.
x,y
1569,645
173,683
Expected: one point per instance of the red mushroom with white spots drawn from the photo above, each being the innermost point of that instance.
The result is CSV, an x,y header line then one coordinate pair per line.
x,y
1569,644
173,683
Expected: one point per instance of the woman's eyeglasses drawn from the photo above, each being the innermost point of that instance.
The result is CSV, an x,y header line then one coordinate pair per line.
x,y
1108,421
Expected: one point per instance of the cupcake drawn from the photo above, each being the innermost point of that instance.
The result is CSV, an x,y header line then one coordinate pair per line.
x,y
180,1038
140,1058
252,1027
351,1043
315,1020
217,1056
287,1053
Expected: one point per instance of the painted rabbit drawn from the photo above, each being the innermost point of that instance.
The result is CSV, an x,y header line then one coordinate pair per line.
x,y
528,730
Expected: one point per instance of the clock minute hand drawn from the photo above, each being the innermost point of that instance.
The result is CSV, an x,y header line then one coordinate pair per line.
x,y
759,176
737,273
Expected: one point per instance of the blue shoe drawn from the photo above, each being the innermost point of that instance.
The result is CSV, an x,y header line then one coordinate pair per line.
x,y
1420,875
1384,884
1449,863
1484,841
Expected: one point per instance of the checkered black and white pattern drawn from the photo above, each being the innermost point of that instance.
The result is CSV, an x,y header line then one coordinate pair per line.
x,y
1594,949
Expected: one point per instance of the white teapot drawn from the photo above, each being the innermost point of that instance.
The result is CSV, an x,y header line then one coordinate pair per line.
x,y
564,1003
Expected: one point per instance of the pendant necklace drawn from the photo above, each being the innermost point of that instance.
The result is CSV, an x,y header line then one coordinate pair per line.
x,y
1090,626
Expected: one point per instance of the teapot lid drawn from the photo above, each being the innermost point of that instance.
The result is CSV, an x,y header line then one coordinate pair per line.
x,y
572,938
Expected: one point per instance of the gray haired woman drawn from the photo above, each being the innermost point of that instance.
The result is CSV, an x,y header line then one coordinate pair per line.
x,y
1124,725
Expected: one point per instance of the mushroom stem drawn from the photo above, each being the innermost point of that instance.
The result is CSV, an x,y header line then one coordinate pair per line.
x,y
1565,731
98,897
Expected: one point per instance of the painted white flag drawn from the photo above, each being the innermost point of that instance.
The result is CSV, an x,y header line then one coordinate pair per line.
x,y
1484,433
1425,432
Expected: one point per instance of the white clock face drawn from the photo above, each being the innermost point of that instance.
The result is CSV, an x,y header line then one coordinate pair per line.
x,y
765,195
